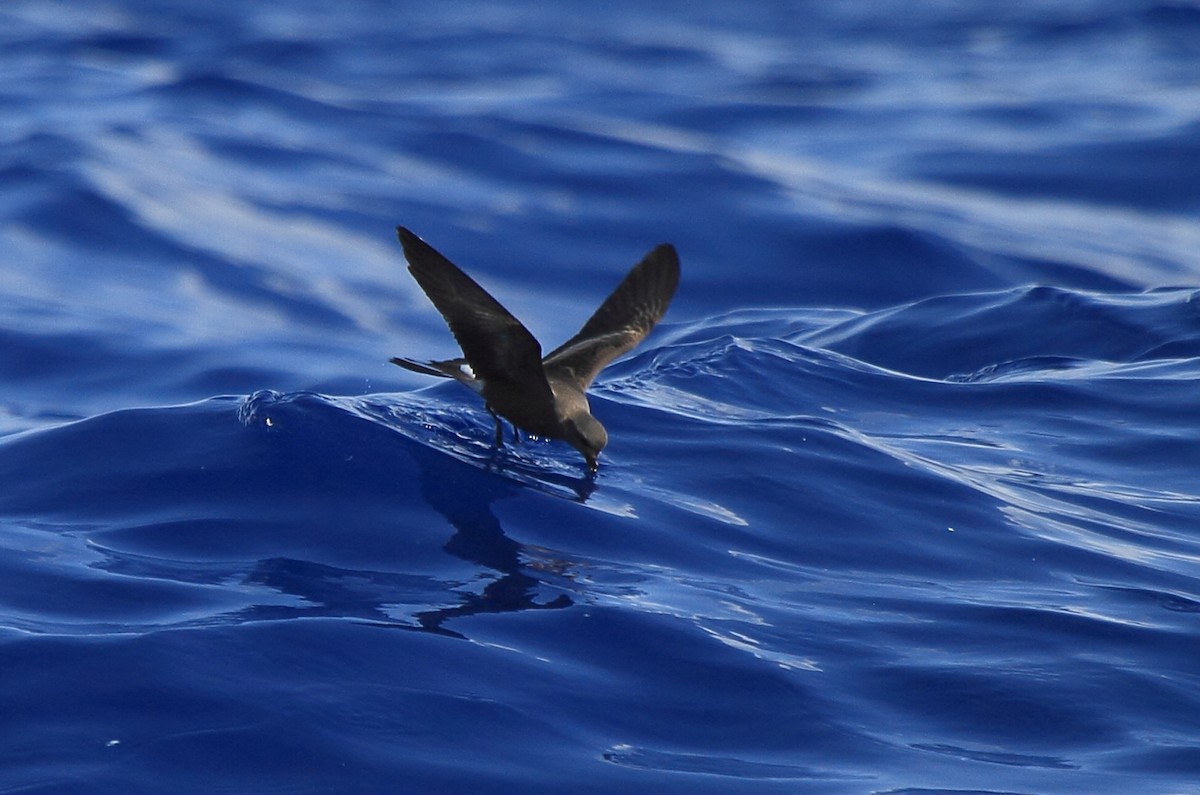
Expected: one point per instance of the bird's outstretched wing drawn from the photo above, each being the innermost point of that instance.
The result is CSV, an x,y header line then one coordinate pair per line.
x,y
623,320
496,345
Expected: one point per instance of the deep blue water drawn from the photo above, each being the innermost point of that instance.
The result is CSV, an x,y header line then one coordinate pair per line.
x,y
902,497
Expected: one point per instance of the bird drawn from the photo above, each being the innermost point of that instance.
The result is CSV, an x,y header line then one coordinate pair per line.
x,y
502,361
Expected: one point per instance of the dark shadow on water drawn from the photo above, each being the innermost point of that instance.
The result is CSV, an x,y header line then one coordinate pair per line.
x,y
479,538
461,491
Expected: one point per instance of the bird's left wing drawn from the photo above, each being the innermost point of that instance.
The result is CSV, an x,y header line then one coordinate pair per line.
x,y
496,345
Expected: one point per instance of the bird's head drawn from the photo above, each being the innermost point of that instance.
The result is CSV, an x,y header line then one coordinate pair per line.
x,y
587,435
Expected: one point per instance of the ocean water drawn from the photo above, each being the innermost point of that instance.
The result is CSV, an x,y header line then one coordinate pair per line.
x,y
901,497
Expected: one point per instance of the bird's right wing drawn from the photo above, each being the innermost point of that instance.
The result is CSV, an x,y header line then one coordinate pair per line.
x,y
623,320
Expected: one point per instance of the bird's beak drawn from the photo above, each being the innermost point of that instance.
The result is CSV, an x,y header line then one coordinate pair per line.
x,y
593,464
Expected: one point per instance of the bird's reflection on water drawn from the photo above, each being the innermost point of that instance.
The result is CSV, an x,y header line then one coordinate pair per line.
x,y
479,538
462,491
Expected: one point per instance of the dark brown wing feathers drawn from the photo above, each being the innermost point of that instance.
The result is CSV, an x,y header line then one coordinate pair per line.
x,y
495,343
624,319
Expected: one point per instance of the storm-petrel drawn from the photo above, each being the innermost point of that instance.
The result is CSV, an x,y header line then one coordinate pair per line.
x,y
503,362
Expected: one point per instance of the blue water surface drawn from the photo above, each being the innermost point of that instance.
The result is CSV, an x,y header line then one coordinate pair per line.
x,y
902,496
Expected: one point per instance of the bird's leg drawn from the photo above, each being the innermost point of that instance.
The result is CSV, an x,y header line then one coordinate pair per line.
x,y
499,428
516,434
